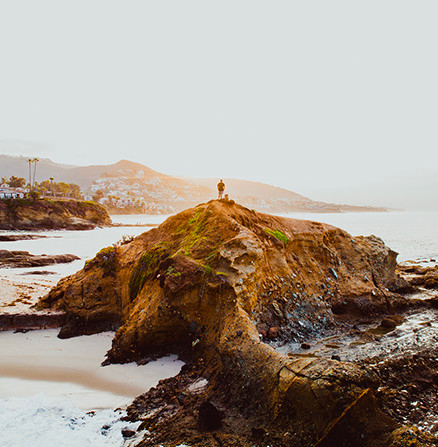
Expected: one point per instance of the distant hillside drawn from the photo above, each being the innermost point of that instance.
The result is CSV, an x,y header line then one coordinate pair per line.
x,y
18,166
272,199
81,175
128,185
242,188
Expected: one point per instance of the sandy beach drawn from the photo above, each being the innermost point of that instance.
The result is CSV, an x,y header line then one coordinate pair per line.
x,y
39,362
18,292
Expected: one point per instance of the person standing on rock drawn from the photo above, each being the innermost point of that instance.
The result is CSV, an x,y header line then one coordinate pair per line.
x,y
220,189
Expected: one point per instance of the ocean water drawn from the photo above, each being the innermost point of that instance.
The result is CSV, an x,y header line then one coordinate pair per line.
x,y
54,392
45,421
42,420
413,235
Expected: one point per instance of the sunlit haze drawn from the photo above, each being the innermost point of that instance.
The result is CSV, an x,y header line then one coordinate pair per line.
x,y
336,100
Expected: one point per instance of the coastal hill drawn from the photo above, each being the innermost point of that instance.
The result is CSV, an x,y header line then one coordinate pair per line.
x,y
218,284
44,214
126,183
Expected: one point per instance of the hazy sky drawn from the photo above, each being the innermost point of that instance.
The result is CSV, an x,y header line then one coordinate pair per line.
x,y
336,100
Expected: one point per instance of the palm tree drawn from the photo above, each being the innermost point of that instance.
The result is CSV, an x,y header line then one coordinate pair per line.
x,y
35,160
29,160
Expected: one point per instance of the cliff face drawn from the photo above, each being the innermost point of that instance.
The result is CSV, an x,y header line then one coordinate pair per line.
x,y
280,272
214,280
26,214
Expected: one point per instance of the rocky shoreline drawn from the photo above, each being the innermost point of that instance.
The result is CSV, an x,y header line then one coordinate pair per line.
x,y
20,237
221,286
19,258
53,214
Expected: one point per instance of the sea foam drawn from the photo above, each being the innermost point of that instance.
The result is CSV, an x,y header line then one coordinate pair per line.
x,y
43,421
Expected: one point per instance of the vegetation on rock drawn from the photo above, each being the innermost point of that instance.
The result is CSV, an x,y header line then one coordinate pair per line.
x,y
277,234
145,267
34,214
212,285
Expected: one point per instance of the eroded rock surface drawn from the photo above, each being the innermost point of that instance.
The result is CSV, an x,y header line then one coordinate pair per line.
x,y
420,276
18,258
44,214
19,237
213,282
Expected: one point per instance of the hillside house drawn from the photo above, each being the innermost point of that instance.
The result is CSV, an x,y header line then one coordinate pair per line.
x,y
6,192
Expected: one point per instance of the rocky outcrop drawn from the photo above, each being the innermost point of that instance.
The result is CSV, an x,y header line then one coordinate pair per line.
x,y
31,321
420,276
19,237
18,258
45,214
215,283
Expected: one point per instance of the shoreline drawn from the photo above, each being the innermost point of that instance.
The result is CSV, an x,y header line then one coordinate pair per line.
x,y
41,362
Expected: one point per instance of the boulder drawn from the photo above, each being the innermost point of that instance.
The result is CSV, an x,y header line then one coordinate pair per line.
x,y
18,258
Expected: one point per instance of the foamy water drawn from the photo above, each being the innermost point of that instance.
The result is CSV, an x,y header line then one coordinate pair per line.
x,y
45,421
48,387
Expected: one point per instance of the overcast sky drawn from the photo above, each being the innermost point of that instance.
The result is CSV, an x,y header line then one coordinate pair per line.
x,y
336,100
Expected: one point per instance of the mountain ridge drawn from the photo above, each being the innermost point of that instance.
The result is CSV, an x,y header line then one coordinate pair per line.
x,y
161,193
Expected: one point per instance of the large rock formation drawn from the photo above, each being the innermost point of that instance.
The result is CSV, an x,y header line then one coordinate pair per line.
x,y
45,214
18,258
214,283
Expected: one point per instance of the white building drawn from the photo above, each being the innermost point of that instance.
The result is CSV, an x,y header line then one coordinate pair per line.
x,y
6,192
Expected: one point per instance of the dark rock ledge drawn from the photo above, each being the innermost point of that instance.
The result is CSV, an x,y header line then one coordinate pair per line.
x,y
17,258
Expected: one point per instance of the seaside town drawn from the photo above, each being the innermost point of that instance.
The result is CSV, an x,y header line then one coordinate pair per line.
x,y
131,188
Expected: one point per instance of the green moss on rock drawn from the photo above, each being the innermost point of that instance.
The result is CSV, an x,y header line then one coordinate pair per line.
x,y
145,267
277,234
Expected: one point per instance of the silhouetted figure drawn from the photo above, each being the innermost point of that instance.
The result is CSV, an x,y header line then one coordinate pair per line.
x,y
220,189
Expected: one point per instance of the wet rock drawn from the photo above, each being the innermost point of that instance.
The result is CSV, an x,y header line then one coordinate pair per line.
x,y
51,214
210,418
263,333
257,432
273,332
433,301
410,437
431,283
305,345
126,433
19,237
334,273
409,387
420,276
388,323
21,259
29,321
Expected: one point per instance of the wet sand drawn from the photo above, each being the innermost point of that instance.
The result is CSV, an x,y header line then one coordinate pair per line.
x,y
39,362
18,291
